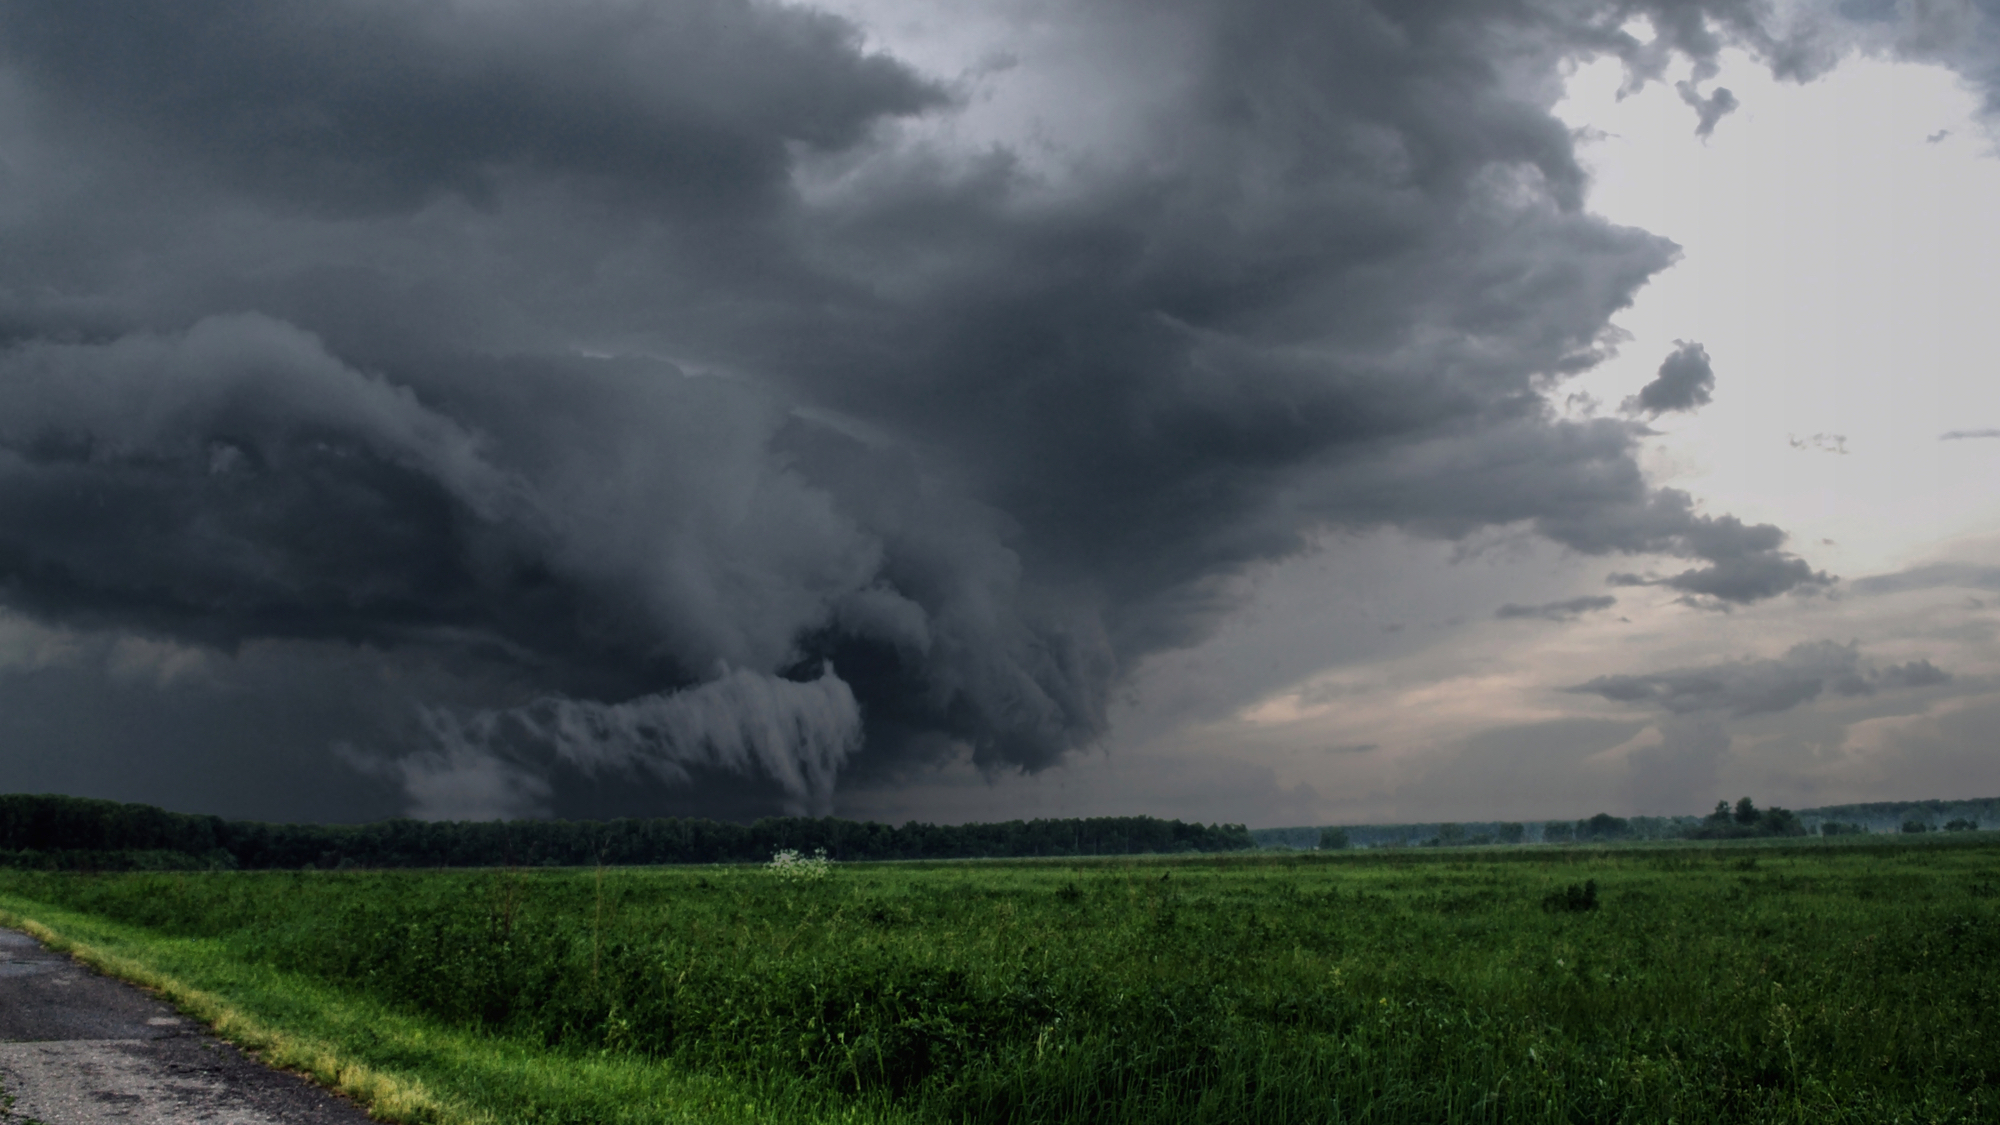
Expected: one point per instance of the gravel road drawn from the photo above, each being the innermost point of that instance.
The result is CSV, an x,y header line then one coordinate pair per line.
x,y
79,1049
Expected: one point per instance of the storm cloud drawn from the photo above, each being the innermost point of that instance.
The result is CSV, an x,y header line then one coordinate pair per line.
x,y
669,373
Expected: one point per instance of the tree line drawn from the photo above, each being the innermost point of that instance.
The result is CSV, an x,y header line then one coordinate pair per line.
x,y
1743,820
58,831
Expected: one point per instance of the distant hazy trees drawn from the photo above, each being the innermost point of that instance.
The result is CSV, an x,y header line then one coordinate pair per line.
x,y
1746,821
1961,825
1332,839
53,831
1603,826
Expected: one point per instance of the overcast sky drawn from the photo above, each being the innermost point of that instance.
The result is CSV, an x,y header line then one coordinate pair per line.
x,y
1270,412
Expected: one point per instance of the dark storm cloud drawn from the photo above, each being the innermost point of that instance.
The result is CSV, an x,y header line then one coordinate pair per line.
x,y
1686,382
1568,609
634,356
1759,687
361,108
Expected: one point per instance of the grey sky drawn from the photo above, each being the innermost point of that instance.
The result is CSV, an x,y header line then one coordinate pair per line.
x,y
659,407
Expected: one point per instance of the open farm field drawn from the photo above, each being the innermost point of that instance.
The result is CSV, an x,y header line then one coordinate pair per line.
x,y
1818,981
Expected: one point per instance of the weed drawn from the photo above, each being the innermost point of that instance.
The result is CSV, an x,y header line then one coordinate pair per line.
x,y
1573,899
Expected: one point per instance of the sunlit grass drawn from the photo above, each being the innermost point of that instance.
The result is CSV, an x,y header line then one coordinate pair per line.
x,y
1815,982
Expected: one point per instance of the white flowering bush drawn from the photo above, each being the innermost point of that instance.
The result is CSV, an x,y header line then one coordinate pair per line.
x,y
788,864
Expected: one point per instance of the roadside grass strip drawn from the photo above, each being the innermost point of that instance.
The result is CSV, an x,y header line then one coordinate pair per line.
x,y
399,1068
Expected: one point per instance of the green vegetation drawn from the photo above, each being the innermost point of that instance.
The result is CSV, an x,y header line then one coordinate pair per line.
x,y
47,832
1763,981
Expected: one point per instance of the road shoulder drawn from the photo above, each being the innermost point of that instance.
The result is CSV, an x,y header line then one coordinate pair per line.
x,y
77,1048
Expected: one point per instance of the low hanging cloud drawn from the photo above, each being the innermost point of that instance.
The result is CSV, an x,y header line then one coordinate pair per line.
x,y
460,782
1708,110
1686,382
1820,443
796,734
1766,686
588,352
1746,562
1569,609
1931,576
1915,674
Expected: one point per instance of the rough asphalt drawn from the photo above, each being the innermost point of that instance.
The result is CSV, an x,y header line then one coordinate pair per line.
x,y
80,1049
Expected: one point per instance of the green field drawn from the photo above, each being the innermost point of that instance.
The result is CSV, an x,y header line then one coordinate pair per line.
x,y
1818,981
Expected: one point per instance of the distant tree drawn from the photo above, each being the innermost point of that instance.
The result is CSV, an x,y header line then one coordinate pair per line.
x,y
1332,839
1841,828
1746,812
1775,821
1451,835
1747,821
1603,826
1512,832
1558,832
1914,826
1961,825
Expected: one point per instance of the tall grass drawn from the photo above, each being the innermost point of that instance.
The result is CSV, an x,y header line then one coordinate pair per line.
x,y
1817,983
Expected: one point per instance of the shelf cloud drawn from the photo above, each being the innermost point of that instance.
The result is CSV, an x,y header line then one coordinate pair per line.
x,y
671,374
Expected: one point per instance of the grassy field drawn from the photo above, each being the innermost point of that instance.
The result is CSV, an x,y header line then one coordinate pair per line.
x,y
1804,982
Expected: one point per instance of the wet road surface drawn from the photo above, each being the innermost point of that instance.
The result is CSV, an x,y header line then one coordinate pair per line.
x,y
80,1049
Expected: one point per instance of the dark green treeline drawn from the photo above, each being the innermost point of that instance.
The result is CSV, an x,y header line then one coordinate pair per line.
x,y
50,831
